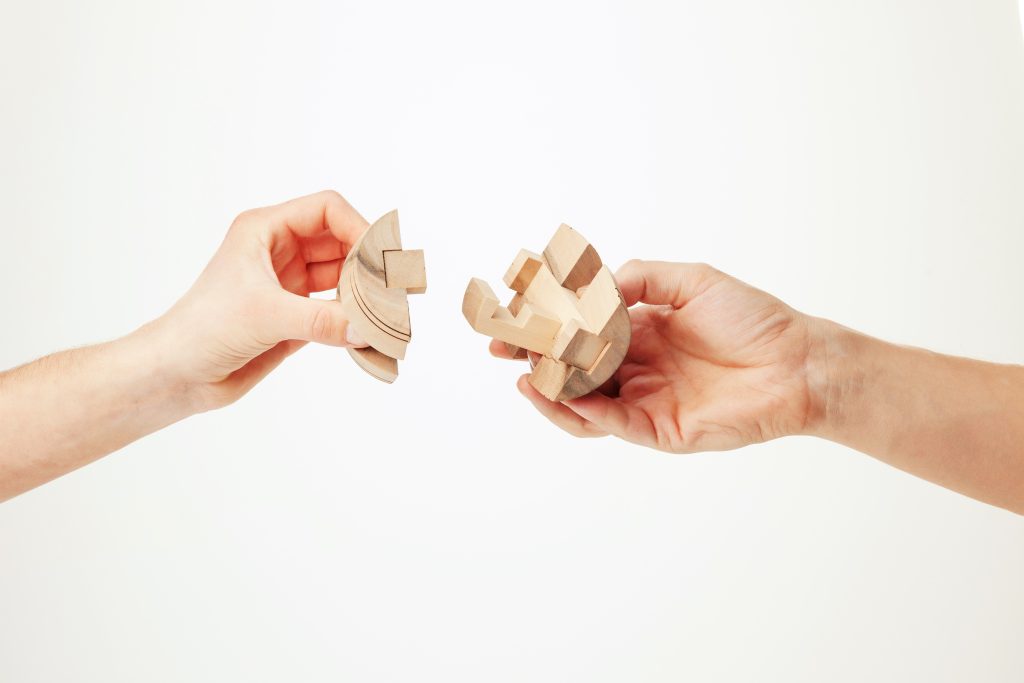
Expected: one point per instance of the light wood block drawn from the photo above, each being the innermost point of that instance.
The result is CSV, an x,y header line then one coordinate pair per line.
x,y
404,269
577,346
529,329
522,271
571,259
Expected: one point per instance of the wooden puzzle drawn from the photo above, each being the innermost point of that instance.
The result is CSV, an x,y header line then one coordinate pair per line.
x,y
566,308
375,282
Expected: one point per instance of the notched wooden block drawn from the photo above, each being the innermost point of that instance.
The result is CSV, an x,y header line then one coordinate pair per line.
x,y
578,347
573,261
405,269
522,271
527,328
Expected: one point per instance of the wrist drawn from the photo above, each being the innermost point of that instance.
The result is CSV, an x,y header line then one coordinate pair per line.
x,y
148,356
837,368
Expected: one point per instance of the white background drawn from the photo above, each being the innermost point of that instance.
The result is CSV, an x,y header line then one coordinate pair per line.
x,y
863,160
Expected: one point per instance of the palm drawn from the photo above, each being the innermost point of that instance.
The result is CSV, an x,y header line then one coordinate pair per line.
x,y
721,372
713,364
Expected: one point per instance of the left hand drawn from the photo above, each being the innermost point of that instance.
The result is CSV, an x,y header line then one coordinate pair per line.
x,y
713,364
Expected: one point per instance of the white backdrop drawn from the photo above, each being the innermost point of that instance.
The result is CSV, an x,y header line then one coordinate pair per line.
x,y
864,160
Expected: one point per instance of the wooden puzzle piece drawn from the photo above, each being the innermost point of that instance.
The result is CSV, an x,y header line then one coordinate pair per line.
x,y
384,368
577,346
571,259
527,328
373,289
566,308
405,270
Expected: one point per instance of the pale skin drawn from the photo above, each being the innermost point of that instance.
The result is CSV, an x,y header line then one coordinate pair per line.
x,y
714,364
246,313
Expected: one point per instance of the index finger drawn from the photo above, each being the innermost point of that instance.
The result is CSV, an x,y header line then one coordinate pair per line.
x,y
661,282
319,213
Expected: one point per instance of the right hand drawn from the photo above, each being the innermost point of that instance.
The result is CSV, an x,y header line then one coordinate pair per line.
x,y
713,364
250,308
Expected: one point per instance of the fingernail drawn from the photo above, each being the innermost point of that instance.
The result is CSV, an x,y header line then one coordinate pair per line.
x,y
353,338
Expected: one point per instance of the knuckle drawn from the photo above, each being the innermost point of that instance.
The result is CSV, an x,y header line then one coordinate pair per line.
x,y
244,220
703,269
632,265
331,197
706,271
321,324
705,276
568,427
574,427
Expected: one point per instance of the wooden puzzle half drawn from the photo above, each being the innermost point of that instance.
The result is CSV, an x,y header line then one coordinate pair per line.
x,y
566,308
375,282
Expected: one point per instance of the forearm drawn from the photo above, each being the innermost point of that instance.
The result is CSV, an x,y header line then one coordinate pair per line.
x,y
954,421
66,410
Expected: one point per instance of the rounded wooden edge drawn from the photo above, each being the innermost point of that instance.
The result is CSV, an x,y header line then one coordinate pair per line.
x,y
559,381
367,328
580,383
375,363
362,271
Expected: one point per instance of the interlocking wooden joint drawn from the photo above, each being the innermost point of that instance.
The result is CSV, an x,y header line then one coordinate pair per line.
x,y
375,282
566,308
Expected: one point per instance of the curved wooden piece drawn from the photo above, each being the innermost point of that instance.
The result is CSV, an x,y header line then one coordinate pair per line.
x,y
384,368
373,289
567,308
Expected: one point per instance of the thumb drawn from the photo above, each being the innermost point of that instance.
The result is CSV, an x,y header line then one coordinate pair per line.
x,y
315,320
661,282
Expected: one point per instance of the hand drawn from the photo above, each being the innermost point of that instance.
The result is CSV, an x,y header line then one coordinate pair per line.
x,y
713,364
249,309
